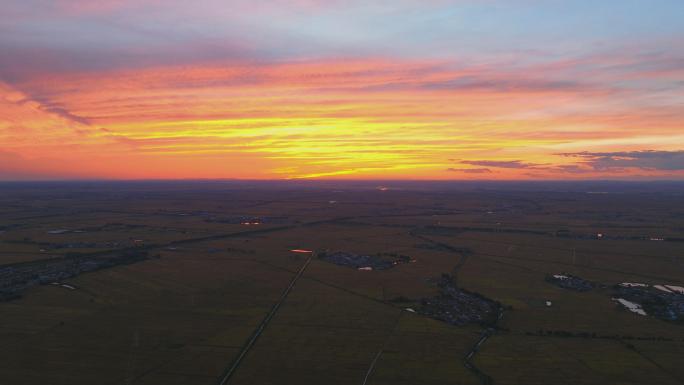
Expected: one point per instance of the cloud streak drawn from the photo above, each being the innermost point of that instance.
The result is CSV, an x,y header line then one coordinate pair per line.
x,y
470,170
643,160
353,89
517,164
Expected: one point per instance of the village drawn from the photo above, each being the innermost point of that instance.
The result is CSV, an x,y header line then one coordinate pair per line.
x,y
14,279
459,307
570,282
665,302
380,261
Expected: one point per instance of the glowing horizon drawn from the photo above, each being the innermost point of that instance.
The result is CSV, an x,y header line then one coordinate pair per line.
x,y
400,89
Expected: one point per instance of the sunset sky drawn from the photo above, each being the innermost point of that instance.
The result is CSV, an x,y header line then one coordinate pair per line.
x,y
386,89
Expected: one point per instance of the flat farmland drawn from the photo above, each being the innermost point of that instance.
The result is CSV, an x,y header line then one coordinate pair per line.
x,y
229,285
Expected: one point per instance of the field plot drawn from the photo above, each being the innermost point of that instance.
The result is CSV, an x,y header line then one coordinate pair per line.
x,y
239,287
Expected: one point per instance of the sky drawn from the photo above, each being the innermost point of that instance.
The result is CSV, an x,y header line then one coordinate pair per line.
x,y
384,89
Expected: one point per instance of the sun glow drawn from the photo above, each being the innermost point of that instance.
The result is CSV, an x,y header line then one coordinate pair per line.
x,y
344,115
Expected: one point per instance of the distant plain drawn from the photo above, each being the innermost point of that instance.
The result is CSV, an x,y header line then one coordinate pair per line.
x,y
221,259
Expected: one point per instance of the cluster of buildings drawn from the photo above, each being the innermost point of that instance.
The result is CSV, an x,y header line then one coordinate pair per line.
x,y
458,306
248,220
364,262
617,237
14,279
85,245
661,301
571,282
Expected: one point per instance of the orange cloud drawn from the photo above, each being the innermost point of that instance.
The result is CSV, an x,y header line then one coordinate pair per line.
x,y
362,118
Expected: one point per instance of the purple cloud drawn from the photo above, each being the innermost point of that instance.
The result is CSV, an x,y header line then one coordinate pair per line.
x,y
645,160
470,170
500,163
